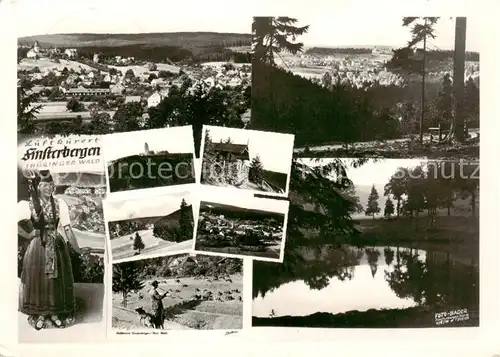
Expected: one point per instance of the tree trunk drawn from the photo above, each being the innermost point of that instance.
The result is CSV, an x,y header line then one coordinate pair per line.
x,y
422,109
398,207
458,76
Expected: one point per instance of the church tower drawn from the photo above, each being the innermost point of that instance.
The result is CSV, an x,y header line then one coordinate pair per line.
x,y
146,149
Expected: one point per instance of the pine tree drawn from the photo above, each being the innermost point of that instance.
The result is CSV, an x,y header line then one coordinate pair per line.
x,y
270,37
389,208
185,222
26,111
127,278
138,243
372,207
256,171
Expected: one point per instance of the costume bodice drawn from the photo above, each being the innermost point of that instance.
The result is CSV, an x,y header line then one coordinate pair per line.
x,y
47,213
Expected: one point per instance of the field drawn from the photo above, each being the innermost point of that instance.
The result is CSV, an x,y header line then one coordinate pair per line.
x,y
46,64
190,39
223,310
141,70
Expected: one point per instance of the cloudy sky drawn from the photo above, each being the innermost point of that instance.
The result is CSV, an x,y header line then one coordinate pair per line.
x,y
150,206
373,172
332,23
275,150
174,140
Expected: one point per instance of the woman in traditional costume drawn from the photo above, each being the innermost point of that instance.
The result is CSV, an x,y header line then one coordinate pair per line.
x,y
46,290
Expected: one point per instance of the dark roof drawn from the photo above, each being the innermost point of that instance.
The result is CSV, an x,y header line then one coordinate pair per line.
x,y
232,148
277,179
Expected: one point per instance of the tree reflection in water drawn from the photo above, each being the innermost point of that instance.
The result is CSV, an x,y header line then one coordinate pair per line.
x,y
318,231
435,282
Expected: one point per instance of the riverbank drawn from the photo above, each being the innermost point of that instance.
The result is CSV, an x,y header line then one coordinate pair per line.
x,y
414,317
447,229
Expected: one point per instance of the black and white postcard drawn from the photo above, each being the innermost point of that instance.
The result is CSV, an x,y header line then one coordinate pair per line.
x,y
61,238
150,225
404,87
247,160
242,225
149,159
388,243
177,292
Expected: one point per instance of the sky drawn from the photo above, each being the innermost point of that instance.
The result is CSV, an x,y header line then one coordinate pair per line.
x,y
151,206
367,29
275,150
331,23
372,172
174,140
234,197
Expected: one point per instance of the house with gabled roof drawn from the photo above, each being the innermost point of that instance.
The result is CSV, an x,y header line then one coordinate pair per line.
x,y
236,155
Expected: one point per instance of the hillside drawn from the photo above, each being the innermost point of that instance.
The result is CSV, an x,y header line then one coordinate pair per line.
x,y
128,226
186,265
180,39
121,179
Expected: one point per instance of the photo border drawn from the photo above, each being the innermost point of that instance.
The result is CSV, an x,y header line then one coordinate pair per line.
x,y
236,193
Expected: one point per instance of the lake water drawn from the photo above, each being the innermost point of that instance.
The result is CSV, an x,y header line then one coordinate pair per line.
x,y
376,278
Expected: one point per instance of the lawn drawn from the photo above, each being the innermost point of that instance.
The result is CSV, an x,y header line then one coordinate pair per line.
x,y
140,70
46,64
221,307
397,148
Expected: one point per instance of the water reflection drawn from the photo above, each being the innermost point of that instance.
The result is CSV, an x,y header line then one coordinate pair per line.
x,y
340,280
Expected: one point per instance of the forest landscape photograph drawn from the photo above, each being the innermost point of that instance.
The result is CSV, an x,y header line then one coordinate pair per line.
x,y
149,226
412,93
389,243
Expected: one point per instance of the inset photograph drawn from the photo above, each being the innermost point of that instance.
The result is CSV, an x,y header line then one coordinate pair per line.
x,y
246,159
246,226
400,87
61,239
149,159
388,243
178,292
149,225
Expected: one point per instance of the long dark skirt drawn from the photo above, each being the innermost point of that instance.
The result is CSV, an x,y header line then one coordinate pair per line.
x,y
39,294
